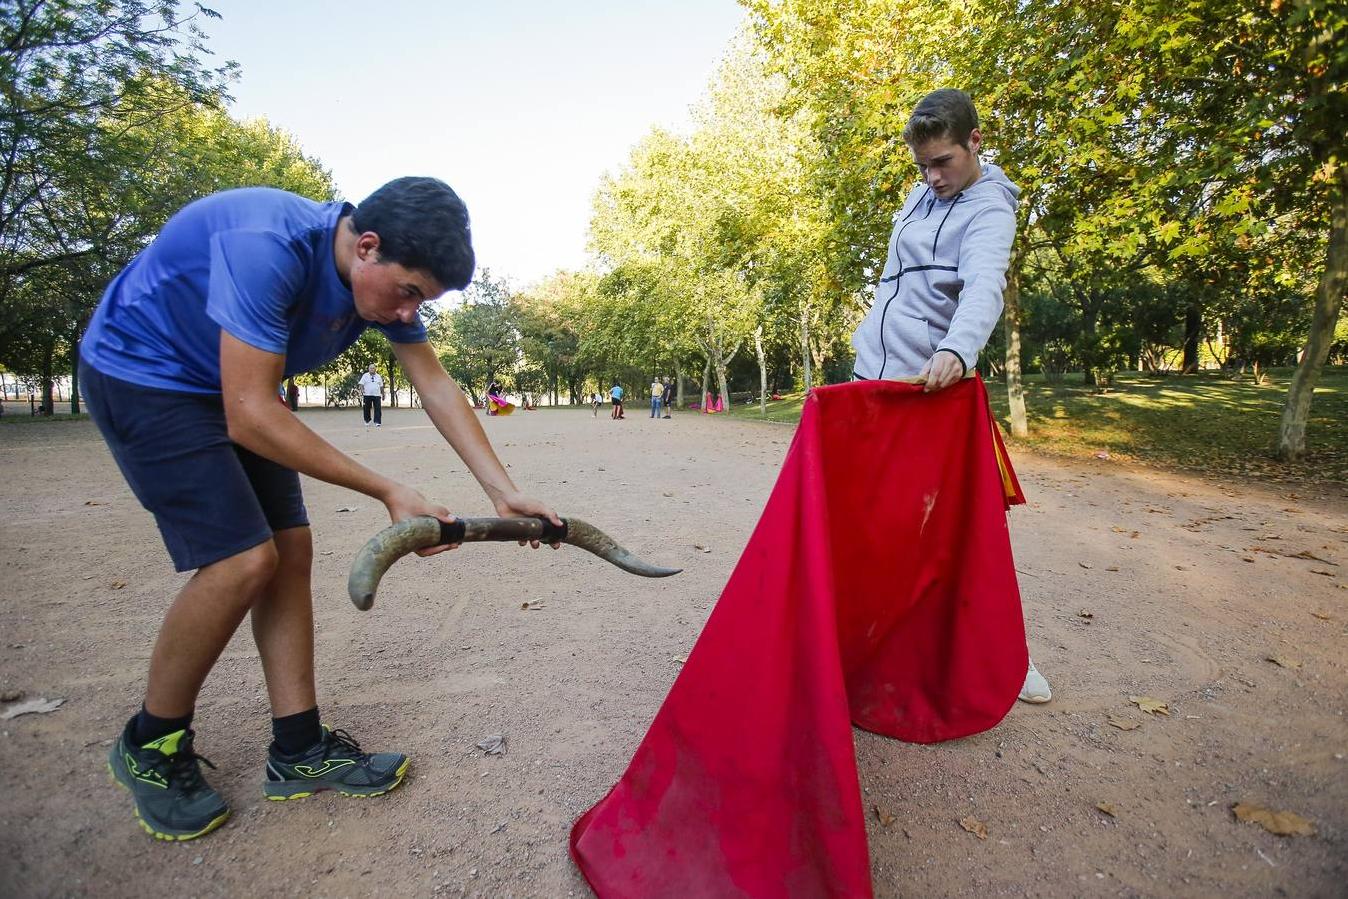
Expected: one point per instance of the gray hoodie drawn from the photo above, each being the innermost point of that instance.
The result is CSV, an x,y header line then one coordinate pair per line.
x,y
941,288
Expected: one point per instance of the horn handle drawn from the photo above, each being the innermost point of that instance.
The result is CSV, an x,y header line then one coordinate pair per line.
x,y
422,532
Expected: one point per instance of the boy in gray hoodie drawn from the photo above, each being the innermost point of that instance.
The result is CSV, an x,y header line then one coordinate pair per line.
x,y
940,294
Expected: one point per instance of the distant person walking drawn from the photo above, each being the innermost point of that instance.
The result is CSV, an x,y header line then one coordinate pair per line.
x,y
372,390
616,392
595,400
667,397
657,392
293,395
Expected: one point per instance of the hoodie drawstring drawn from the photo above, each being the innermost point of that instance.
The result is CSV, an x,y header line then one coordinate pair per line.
x,y
942,225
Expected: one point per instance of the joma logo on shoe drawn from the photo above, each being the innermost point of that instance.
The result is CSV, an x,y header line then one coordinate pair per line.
x,y
149,777
328,767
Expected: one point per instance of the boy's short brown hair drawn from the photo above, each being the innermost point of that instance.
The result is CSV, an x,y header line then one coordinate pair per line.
x,y
942,113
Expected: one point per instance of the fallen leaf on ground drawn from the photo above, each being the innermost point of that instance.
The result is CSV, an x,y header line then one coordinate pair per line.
x,y
1084,614
884,818
117,585
532,604
1084,564
1322,616
1307,554
31,707
679,659
1108,808
1150,705
975,827
1124,723
92,502
1284,824
1283,662
1112,568
494,744
346,509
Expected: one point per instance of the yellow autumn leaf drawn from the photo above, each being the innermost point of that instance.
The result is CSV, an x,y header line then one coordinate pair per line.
x,y
1108,808
1150,705
1124,723
1284,824
975,827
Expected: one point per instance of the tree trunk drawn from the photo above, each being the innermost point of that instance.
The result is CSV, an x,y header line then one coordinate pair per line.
x,y
391,368
48,360
721,380
75,383
1015,392
762,371
1193,332
1088,331
805,346
1328,302
706,381
678,387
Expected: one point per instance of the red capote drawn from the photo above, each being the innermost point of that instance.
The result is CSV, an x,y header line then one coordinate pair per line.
x,y
878,588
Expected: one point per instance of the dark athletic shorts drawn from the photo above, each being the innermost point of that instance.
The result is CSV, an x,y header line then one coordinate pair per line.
x,y
211,498
617,402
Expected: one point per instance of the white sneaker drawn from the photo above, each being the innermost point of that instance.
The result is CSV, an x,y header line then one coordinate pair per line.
x,y
1036,687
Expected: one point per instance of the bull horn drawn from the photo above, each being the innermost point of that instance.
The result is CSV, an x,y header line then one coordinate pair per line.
x,y
423,532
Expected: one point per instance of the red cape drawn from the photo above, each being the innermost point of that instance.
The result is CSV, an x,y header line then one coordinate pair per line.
x,y
878,589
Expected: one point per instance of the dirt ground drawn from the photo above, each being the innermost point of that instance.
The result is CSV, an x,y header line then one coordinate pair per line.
x,y
1135,583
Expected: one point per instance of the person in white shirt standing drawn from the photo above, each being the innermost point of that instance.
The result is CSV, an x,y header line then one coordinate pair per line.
x,y
372,389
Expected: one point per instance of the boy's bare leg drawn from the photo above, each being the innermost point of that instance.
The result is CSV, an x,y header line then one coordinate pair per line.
x,y
283,626
199,624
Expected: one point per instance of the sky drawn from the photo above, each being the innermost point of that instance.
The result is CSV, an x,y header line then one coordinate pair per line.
x,y
519,105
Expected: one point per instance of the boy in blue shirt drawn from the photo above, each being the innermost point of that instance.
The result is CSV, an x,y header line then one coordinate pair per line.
x,y
179,364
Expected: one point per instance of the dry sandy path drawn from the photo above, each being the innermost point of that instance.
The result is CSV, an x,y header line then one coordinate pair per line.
x,y
1206,588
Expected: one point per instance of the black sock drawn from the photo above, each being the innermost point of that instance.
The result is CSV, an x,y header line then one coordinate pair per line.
x,y
146,728
296,733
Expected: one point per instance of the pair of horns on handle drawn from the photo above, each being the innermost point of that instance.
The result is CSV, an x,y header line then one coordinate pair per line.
x,y
424,532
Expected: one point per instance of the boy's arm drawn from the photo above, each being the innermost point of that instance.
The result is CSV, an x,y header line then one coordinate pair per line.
x,y
258,423
985,254
449,411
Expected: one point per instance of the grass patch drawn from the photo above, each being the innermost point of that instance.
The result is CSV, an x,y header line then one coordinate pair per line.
x,y
1208,423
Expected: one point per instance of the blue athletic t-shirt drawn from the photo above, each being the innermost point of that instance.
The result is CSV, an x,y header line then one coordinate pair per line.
x,y
255,261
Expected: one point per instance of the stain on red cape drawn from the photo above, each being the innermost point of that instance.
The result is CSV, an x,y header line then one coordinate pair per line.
x,y
878,589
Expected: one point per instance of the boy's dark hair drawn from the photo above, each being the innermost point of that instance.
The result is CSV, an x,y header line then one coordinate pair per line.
x,y
944,113
422,224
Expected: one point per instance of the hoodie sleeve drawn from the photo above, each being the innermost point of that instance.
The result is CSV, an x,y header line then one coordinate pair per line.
x,y
985,253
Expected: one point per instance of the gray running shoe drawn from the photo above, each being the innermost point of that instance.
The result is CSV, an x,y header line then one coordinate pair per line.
x,y
173,800
334,763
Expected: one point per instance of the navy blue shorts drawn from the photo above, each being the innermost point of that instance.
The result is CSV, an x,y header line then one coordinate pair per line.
x,y
211,498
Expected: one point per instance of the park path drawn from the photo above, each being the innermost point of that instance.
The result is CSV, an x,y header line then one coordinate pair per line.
x,y
1136,583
